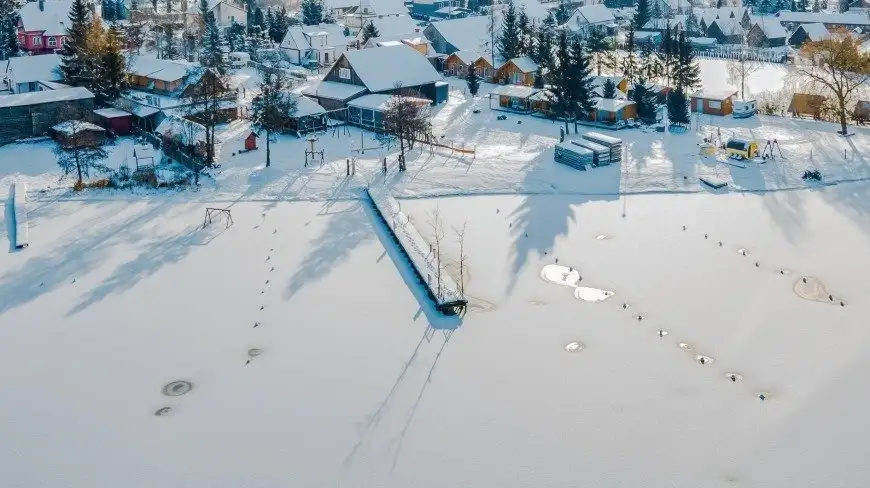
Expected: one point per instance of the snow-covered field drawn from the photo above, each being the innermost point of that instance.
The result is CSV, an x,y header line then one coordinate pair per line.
x,y
356,386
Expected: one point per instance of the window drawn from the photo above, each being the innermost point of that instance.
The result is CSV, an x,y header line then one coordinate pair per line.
x,y
52,42
326,59
344,73
715,104
36,41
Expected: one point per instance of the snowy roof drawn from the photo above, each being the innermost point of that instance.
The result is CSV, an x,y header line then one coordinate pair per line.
x,y
516,91
297,36
188,131
379,7
824,17
73,127
729,27
381,68
464,34
662,24
52,18
380,101
407,38
590,14
111,113
393,25
467,56
306,106
702,41
334,90
611,104
524,64
34,68
714,94
212,4
771,28
816,31
48,96
642,35
157,69
295,39
535,10
53,85
600,80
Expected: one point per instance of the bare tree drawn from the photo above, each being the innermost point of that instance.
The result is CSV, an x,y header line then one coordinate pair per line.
x,y
837,66
742,67
460,239
407,118
78,146
437,226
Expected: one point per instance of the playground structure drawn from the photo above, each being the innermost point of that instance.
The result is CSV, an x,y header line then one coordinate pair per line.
x,y
770,150
212,214
311,154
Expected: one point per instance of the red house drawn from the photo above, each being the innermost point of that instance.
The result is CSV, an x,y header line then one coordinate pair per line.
x,y
43,25
251,142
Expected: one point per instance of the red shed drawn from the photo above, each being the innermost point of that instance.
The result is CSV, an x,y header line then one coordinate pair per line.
x,y
115,120
251,142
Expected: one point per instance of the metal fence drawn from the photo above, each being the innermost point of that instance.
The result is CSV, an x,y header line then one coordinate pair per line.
x,y
752,55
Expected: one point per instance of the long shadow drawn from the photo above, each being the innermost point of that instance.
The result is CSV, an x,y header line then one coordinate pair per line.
x,y
9,221
148,262
344,231
83,253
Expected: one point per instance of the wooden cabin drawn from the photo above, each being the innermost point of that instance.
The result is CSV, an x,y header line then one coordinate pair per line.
x,y
806,104
78,134
612,111
457,64
517,71
512,98
713,103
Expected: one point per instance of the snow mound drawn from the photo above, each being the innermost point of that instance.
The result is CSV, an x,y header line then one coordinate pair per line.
x,y
813,289
588,294
560,275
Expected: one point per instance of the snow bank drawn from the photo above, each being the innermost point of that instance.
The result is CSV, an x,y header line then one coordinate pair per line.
x,y
418,251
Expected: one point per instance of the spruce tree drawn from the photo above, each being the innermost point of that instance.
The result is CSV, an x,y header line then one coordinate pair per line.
x,y
629,62
270,22
73,61
641,14
693,25
370,32
170,48
563,13
582,91
824,4
549,21
279,25
559,94
525,33
843,6
508,42
250,8
655,11
539,80
312,12
666,54
644,101
213,44
8,36
113,75
236,38
687,73
597,44
678,110
648,65
609,89
259,20
472,80
543,54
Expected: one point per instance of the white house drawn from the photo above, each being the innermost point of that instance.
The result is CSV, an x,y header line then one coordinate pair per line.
x,y
588,18
225,12
24,74
320,44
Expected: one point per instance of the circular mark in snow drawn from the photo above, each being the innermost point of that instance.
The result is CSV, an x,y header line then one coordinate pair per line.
x,y
177,388
162,411
252,353
602,237
734,377
742,251
588,294
703,359
686,346
575,346
560,275
813,289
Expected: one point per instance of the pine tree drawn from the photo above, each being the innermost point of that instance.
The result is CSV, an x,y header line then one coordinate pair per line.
x,y
597,44
312,12
539,80
472,80
236,38
255,42
678,109
693,25
582,92
563,13
666,54
213,46
370,32
73,61
525,33
278,25
259,20
543,54
170,49
250,8
113,76
8,35
843,6
687,73
641,14
509,41
559,94
824,4
270,22
549,21
272,109
816,6
655,10
609,89
644,100
629,61
720,3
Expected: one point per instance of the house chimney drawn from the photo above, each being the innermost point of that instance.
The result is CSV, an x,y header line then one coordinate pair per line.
x,y
41,5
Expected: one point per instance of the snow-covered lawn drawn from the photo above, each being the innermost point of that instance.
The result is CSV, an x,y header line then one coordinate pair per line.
x,y
354,387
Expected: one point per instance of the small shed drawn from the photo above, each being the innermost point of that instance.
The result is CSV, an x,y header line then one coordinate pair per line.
x,y
613,111
251,141
517,71
78,133
368,111
114,120
512,98
309,116
713,102
806,104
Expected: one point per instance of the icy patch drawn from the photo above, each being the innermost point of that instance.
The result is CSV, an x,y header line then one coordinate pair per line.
x,y
560,275
588,294
575,346
162,411
177,388
813,289
252,353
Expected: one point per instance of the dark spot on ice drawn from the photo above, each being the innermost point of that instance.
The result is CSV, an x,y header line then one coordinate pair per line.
x,y
842,304
162,411
624,306
256,324
662,332
262,307
831,297
720,243
684,227
706,236
177,388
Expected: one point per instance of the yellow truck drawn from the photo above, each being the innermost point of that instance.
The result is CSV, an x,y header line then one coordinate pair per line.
x,y
742,148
